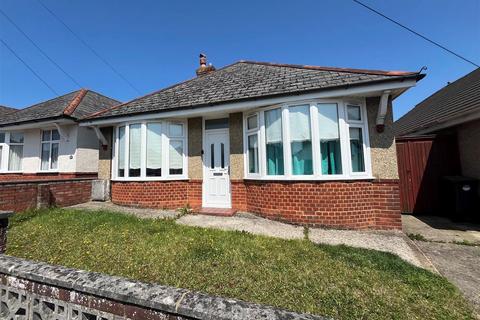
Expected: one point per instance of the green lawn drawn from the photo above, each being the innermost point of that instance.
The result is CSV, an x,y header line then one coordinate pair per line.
x,y
338,281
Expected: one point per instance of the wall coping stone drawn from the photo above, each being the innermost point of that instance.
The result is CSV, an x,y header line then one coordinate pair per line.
x,y
163,298
44,181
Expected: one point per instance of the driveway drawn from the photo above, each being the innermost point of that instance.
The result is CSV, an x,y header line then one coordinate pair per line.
x,y
458,263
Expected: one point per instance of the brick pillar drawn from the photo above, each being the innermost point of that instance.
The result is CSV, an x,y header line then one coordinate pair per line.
x,y
4,215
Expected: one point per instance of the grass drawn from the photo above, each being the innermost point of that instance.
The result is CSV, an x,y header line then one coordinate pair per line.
x,y
338,281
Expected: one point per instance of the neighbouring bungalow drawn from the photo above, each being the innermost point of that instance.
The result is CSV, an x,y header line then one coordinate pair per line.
x,y
45,143
4,110
440,137
301,144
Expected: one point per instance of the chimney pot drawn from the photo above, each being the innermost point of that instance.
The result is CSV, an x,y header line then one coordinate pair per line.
x,y
204,69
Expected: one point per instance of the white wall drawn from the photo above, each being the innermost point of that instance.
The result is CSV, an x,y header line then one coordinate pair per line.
x,y
77,153
87,150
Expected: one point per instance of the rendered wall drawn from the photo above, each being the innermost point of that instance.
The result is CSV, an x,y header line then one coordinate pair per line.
x,y
382,144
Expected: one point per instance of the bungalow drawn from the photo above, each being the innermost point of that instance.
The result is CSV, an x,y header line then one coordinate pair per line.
x,y
301,144
440,137
44,143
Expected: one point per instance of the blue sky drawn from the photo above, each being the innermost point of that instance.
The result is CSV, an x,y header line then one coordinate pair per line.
x,y
155,43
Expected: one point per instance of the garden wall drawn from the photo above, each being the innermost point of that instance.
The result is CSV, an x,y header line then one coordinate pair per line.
x,y
38,291
21,195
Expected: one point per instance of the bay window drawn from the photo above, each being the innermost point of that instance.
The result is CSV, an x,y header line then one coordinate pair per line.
x,y
150,150
315,140
49,154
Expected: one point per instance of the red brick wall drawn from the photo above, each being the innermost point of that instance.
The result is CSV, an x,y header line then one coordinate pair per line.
x,y
19,196
352,205
151,194
339,204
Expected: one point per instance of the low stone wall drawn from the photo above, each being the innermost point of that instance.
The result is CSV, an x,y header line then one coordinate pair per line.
x,y
21,195
38,291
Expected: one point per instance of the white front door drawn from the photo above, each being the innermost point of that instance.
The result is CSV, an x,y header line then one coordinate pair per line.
x,y
216,163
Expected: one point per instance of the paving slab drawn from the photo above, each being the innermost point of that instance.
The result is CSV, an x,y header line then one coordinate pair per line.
x,y
139,212
248,223
441,229
392,242
458,263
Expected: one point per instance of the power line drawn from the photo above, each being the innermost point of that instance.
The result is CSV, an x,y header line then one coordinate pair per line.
x,y
29,68
39,49
89,47
416,33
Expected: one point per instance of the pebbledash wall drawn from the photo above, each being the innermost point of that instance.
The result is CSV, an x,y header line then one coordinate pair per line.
x,y
365,204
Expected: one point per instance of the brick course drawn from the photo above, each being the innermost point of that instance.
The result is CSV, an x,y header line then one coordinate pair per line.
x,y
45,176
339,204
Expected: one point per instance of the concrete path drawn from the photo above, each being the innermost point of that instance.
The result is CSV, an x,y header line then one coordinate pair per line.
x,y
458,263
441,229
139,212
393,242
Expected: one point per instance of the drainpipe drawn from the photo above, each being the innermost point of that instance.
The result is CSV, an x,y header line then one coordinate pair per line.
x,y
382,111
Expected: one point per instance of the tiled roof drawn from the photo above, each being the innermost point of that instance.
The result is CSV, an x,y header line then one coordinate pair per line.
x,y
74,105
246,80
456,99
4,110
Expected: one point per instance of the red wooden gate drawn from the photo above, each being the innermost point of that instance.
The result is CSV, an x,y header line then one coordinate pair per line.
x,y
422,162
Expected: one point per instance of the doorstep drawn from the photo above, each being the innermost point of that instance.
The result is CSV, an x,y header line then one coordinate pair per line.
x,y
220,212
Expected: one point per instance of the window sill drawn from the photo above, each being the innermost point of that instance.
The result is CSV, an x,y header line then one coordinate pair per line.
x,y
11,172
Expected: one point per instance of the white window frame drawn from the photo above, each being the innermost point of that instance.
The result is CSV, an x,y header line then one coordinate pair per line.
x,y
6,153
165,127
248,133
344,125
50,142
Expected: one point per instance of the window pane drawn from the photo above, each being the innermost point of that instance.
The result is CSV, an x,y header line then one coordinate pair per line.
x,y
45,156
176,157
121,151
253,154
329,138
16,137
353,113
135,147
216,124
1,153
15,158
274,141
54,161
46,135
252,122
301,140
55,135
356,149
154,149
175,130
2,137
